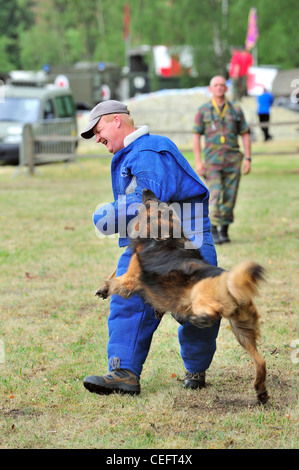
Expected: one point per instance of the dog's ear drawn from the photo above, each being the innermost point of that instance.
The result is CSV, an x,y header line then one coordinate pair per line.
x,y
147,195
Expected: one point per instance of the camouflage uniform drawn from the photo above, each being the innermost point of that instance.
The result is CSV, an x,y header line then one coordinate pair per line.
x,y
223,157
240,87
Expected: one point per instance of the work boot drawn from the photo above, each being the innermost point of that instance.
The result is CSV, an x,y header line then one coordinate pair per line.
x,y
118,381
223,234
215,234
195,380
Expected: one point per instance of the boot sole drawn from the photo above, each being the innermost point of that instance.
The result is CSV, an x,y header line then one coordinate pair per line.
x,y
193,386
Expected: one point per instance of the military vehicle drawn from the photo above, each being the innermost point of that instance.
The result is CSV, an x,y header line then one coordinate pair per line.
x,y
21,104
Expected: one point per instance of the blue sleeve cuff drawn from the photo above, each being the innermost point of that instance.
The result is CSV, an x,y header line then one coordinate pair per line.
x,y
114,217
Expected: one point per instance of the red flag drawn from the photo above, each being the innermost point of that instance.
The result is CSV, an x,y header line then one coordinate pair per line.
x,y
252,30
126,21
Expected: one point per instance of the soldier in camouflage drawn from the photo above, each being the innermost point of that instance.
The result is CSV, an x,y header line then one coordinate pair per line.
x,y
221,123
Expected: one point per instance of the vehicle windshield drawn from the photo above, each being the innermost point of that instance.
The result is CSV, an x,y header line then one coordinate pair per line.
x,y
19,109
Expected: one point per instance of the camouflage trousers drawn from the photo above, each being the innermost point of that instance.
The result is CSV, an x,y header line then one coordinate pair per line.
x,y
223,183
239,88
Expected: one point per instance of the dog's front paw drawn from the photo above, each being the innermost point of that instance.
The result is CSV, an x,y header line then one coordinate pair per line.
x,y
103,291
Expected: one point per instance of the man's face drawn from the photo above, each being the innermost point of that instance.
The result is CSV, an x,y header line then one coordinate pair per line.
x,y
218,87
106,132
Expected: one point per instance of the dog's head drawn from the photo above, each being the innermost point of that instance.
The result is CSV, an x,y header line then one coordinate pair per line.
x,y
148,196
158,234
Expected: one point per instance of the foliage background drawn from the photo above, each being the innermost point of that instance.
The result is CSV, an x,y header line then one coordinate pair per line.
x,y
55,32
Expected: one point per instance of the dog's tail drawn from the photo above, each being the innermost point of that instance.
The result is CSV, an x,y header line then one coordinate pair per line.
x,y
243,281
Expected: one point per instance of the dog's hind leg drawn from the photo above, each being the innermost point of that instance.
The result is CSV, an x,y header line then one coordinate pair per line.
x,y
205,311
246,333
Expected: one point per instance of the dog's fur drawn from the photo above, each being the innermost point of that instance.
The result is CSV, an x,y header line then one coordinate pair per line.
x,y
174,279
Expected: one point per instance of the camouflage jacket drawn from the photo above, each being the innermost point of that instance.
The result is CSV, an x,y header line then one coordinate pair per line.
x,y
221,134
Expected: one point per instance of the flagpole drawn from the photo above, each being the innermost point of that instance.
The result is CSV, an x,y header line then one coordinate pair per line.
x,y
127,33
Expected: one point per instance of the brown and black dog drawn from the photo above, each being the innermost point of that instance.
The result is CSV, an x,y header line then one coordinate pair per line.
x,y
175,279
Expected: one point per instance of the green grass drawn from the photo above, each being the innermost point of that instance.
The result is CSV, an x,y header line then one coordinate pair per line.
x,y
55,331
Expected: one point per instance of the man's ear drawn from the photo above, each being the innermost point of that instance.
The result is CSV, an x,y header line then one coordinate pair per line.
x,y
117,120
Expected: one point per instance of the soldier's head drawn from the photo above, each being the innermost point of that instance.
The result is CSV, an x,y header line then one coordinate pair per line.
x,y
218,86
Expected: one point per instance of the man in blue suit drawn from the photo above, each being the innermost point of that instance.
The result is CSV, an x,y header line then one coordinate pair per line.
x,y
141,160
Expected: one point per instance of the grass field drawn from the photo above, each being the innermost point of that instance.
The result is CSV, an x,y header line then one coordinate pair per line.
x,y
53,330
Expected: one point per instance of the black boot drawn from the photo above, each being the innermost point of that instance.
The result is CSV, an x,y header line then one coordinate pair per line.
x,y
223,234
215,235
195,380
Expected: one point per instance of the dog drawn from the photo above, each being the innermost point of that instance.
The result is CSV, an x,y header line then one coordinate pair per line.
x,y
172,278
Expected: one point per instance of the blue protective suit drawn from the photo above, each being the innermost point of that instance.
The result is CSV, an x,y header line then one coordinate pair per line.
x,y
154,162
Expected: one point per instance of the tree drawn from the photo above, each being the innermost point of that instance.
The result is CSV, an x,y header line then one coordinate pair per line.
x,y
278,41
15,17
66,31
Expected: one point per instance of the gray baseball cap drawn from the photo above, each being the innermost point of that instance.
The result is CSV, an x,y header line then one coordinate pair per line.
x,y
106,107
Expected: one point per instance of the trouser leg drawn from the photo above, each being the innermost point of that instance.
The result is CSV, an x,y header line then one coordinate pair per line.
x,y
213,179
243,86
198,345
237,89
230,185
265,118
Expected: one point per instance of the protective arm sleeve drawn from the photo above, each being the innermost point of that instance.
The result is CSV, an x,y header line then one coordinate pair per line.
x,y
114,217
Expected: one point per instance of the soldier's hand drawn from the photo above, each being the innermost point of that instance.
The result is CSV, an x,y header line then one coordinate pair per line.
x,y
246,166
200,168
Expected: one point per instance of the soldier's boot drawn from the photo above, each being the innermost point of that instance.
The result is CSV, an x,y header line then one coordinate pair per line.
x,y
215,235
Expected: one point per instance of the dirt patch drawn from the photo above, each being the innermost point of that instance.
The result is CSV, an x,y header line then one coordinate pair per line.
x,y
15,413
204,402
237,396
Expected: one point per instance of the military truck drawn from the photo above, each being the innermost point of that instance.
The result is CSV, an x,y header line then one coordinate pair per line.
x,y
90,82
